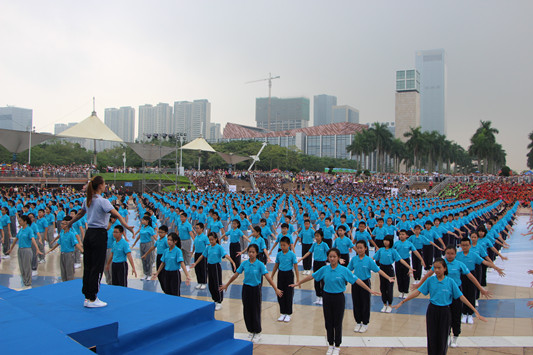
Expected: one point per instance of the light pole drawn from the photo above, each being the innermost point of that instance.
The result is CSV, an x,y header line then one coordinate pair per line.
x,y
29,148
124,161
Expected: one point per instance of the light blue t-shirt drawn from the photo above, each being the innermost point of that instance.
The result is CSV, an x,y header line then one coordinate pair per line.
x,y
252,272
120,251
234,235
362,267
200,243
334,279
319,251
98,213
404,248
146,234
172,259
161,245
343,244
67,241
214,254
387,256
470,260
24,236
286,261
441,293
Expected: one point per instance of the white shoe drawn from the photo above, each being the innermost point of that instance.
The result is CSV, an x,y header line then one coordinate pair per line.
x,y
321,301
85,302
147,277
336,351
203,286
477,303
287,318
453,343
41,261
198,286
463,319
96,303
218,306
6,257
389,309
318,299
470,319
77,266
384,309
250,336
281,318
330,350
357,328
364,328
257,338
34,273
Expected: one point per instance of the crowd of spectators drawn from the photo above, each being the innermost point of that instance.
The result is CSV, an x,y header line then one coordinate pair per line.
x,y
47,170
206,180
490,191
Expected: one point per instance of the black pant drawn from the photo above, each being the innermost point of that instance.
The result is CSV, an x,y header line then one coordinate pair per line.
x,y
200,269
307,261
94,252
119,274
329,242
385,286
285,278
262,258
214,273
234,248
161,276
427,254
417,265
251,308
361,303
402,276
438,320
319,285
469,291
333,315
172,282
456,309
478,274
483,275
379,243
346,258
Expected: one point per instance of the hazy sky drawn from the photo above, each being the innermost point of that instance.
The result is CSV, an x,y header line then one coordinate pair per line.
x,y
56,55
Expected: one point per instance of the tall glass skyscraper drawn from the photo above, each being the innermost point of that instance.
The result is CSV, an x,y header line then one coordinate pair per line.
x,y
431,64
16,118
322,109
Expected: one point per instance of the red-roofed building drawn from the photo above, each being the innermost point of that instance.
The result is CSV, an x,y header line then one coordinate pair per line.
x,y
328,140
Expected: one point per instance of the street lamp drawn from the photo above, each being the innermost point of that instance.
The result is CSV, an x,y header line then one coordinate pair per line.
x,y
31,129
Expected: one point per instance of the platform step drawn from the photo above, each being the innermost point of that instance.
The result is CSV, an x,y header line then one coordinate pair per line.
x,y
230,346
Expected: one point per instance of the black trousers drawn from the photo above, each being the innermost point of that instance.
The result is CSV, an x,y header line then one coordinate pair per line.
x,y
285,278
385,286
172,281
119,274
161,276
379,243
478,274
417,265
333,315
319,285
346,258
251,308
456,309
361,303
329,242
402,276
483,275
94,253
469,291
438,320
427,254
262,258
200,269
307,262
234,248
214,274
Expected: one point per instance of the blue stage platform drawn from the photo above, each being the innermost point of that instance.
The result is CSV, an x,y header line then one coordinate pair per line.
x,y
52,320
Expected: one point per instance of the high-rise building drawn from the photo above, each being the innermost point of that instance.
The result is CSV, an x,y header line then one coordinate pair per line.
x,y
214,132
122,122
155,119
322,109
407,107
344,113
193,118
431,65
16,118
284,113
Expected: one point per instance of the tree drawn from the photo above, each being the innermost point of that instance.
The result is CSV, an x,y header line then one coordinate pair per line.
x,y
530,153
416,144
483,146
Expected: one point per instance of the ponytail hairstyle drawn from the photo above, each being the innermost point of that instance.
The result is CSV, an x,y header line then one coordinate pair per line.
x,y
214,235
91,188
258,230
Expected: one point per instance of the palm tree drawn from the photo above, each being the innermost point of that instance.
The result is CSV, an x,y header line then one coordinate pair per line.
x,y
484,147
415,144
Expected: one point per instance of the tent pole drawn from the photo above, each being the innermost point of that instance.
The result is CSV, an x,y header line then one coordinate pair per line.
x,y
94,146
199,152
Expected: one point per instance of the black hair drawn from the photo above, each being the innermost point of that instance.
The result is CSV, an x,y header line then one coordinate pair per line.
x,y
328,219
362,242
341,227
201,225
214,235
175,238
380,219
402,231
284,225
466,239
285,240
164,228
67,218
146,218
319,232
451,247
184,214
441,260
238,223
258,230
254,246
334,250
390,238
307,221
119,228
362,222
26,219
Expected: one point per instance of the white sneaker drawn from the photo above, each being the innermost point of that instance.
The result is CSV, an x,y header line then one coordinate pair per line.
x,y
477,303
42,261
330,350
336,351
281,318
389,309
384,309
203,286
218,306
317,300
321,301
77,266
364,328
147,277
287,318
453,343
34,273
357,328
7,257
96,303
250,336
470,320
257,338
198,286
85,302
463,319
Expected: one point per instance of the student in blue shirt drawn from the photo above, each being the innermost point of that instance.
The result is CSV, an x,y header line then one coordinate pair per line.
x,y
419,241
344,244
251,291
200,243
362,265
286,262
405,248
214,253
26,238
257,238
329,231
306,237
67,241
171,261
335,277
147,236
117,260
235,235
160,245
319,249
5,225
379,233
363,234
442,291
244,227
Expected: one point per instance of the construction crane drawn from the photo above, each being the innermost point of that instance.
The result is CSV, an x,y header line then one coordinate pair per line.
x,y
270,78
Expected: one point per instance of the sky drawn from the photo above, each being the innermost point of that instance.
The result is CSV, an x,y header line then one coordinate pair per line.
x,y
56,55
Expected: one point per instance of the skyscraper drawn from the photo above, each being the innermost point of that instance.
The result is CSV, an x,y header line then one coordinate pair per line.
x,y
193,118
155,119
322,109
431,65
16,118
407,107
122,122
344,113
284,113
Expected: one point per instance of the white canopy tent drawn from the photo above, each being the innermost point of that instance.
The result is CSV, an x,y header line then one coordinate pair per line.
x,y
199,144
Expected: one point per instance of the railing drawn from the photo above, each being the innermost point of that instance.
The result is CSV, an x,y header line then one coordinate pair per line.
x,y
253,183
43,174
439,187
223,180
408,183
